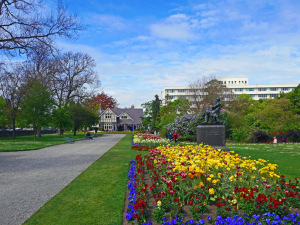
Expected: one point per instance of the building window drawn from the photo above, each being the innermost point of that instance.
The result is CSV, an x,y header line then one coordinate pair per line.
x,y
245,82
252,96
273,95
285,89
273,89
181,90
170,91
107,116
263,96
125,117
239,89
249,89
262,89
107,126
237,95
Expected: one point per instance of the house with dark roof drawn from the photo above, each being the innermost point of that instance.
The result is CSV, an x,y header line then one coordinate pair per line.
x,y
117,119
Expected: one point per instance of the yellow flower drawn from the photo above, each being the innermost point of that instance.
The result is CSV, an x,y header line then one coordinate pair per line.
x,y
211,191
159,203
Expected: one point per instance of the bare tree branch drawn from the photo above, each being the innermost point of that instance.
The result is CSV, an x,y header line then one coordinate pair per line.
x,y
24,24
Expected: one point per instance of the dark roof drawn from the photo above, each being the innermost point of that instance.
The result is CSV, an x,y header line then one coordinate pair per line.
x,y
135,113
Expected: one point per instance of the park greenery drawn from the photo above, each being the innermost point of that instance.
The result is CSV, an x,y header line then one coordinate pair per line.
x,y
45,87
88,198
245,119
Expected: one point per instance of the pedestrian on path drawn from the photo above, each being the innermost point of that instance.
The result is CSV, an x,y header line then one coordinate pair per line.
x,y
176,136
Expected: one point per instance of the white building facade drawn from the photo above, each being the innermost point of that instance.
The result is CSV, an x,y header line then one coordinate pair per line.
x,y
238,86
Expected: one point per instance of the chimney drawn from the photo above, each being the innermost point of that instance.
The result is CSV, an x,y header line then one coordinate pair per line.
x,y
132,106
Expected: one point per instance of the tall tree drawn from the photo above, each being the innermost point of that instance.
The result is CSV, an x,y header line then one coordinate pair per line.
x,y
3,116
168,113
206,90
101,100
62,118
147,114
155,112
11,80
82,117
294,97
76,73
26,23
36,106
276,115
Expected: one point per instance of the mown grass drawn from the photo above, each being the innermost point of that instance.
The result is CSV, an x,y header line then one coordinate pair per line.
x,y
96,196
22,143
287,156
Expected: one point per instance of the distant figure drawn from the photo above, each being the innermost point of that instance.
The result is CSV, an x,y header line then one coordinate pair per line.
x,y
275,141
170,136
154,133
88,135
212,115
176,136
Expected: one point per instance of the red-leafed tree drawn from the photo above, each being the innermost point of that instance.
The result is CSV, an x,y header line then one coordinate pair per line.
x,y
102,99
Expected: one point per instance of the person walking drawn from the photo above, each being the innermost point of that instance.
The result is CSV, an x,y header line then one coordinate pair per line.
x,y
275,141
170,136
176,136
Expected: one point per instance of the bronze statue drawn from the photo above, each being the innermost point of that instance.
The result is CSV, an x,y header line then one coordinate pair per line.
x,y
213,115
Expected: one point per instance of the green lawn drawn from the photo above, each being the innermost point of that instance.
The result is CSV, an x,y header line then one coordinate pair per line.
x,y
96,196
287,156
27,143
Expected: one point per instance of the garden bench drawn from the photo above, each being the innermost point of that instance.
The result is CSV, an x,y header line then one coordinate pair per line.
x,y
70,140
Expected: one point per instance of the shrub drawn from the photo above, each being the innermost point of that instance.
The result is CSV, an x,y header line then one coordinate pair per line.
x,y
239,135
261,136
293,135
187,137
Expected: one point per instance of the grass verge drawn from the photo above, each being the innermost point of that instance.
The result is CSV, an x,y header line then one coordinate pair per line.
x,y
286,156
22,143
96,196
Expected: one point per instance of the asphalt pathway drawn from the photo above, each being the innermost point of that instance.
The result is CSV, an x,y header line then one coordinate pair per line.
x,y
28,179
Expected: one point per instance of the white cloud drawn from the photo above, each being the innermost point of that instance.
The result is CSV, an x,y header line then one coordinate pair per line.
x,y
108,22
176,27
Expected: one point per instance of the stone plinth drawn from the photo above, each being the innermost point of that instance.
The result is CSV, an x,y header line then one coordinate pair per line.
x,y
213,135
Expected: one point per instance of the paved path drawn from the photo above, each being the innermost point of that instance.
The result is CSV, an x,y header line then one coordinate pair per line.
x,y
28,179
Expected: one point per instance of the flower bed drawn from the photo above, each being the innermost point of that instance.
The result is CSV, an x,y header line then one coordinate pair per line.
x,y
149,140
188,179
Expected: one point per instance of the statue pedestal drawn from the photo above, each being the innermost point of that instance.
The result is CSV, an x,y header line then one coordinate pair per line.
x,y
213,135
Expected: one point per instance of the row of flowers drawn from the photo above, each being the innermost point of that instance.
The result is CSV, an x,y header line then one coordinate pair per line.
x,y
149,140
191,177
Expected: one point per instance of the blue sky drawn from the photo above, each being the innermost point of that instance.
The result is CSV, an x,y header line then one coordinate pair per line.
x,y
141,46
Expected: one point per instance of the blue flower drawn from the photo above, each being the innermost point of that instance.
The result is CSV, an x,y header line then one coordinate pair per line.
x,y
201,221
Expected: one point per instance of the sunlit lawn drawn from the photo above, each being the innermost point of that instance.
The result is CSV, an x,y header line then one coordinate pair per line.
x,y
287,156
97,195
28,143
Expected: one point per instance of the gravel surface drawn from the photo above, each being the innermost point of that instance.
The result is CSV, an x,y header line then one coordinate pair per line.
x,y
28,179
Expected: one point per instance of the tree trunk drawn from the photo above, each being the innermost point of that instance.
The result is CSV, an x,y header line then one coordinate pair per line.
x,y
14,128
74,133
61,131
34,131
39,133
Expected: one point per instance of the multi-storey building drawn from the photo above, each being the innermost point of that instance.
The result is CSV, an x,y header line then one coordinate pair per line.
x,y
237,86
